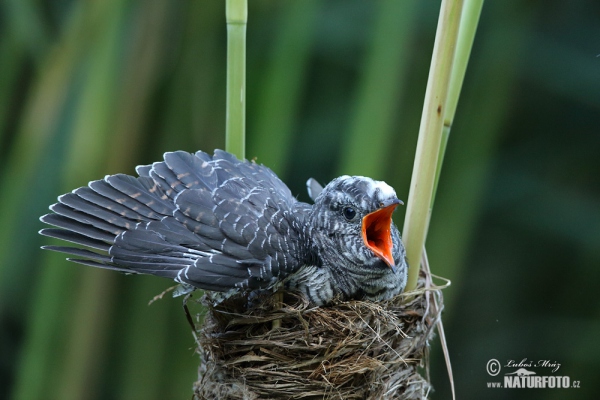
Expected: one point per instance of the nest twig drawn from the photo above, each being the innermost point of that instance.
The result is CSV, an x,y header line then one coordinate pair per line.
x,y
352,350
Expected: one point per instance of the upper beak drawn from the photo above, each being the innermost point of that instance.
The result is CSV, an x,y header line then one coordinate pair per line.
x,y
376,231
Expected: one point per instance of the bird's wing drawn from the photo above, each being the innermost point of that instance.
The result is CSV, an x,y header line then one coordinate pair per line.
x,y
213,222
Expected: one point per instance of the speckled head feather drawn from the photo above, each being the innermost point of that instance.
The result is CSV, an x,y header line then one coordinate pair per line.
x,y
359,191
225,225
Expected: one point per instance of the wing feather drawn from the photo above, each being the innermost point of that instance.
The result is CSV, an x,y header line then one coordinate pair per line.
x,y
152,206
75,238
213,222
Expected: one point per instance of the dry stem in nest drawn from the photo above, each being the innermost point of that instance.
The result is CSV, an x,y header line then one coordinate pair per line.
x,y
352,350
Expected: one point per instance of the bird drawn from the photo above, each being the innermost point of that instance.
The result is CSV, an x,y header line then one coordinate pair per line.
x,y
226,225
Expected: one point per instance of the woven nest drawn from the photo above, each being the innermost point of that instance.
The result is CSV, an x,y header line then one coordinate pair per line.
x,y
351,350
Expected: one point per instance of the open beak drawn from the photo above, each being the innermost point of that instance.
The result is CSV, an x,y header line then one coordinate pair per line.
x,y
376,232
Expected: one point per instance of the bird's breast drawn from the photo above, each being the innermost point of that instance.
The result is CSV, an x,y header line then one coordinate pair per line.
x,y
314,282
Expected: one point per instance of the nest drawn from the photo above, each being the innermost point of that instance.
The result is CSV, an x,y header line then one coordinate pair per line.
x,y
351,350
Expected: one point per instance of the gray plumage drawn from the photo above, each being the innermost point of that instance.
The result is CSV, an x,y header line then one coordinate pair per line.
x,y
225,225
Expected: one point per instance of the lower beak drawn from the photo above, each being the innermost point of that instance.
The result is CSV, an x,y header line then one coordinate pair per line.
x,y
376,232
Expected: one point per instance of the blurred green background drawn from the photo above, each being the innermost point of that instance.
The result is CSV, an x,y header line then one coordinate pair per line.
x,y
89,88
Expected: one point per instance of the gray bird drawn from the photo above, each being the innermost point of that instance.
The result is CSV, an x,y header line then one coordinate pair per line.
x,y
225,225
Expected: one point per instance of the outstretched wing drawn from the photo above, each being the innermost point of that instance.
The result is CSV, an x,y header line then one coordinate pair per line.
x,y
215,223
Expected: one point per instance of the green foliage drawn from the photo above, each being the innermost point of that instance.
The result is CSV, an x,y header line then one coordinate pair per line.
x,y
94,88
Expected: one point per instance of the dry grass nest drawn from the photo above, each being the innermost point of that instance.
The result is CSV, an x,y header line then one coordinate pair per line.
x,y
351,350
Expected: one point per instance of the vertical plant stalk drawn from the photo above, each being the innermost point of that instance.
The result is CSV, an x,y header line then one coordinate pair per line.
x,y
236,15
430,136
466,35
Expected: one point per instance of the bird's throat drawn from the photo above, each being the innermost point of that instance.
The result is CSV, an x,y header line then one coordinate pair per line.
x,y
376,232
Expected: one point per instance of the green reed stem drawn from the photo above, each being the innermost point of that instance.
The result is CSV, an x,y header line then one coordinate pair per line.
x,y
430,136
236,14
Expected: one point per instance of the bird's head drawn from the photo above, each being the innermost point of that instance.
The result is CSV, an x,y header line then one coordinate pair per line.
x,y
354,214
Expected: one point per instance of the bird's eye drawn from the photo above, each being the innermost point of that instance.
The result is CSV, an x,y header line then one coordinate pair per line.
x,y
349,213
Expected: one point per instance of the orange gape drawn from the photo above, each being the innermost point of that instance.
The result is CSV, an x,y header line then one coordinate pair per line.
x,y
376,233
